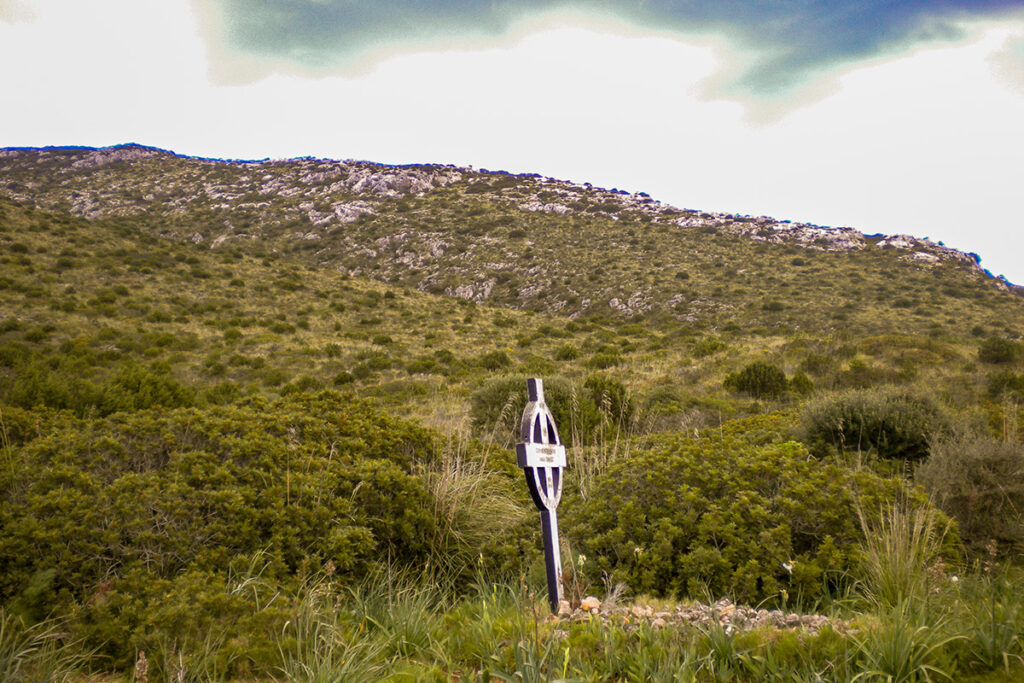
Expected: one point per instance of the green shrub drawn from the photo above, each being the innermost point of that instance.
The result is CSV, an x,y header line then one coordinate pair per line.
x,y
760,379
891,424
976,480
1005,382
603,359
494,360
444,356
801,383
727,516
707,347
998,350
135,516
38,384
135,387
342,378
10,324
567,352
817,364
223,393
421,366
60,386
303,384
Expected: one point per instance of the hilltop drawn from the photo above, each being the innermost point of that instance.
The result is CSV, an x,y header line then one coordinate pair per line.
x,y
515,240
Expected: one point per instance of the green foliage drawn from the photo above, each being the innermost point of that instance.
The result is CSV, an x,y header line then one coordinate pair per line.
x,y
998,350
135,387
976,480
889,423
991,610
724,515
1006,382
801,383
906,648
760,379
567,352
134,501
901,546
603,359
494,360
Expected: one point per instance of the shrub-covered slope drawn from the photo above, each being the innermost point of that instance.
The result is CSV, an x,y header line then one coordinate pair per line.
x,y
738,395
522,241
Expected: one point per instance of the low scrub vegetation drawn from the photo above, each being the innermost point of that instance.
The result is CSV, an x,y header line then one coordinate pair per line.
x,y
184,494
727,514
888,424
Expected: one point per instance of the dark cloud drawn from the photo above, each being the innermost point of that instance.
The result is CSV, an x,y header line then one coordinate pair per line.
x,y
797,36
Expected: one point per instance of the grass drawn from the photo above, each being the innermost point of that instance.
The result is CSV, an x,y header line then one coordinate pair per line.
x,y
902,546
400,626
40,652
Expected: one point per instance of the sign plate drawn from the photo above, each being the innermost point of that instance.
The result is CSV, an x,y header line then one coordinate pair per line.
x,y
540,455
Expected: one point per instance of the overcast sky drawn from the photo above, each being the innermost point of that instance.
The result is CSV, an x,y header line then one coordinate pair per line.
x,y
893,116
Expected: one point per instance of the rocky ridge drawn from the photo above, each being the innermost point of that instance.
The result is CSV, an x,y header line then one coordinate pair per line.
x,y
524,241
328,194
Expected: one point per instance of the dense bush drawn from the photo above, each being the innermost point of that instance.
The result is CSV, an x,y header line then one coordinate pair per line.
x,y
707,347
135,387
760,379
99,508
891,424
494,360
60,385
1005,382
998,350
976,479
726,514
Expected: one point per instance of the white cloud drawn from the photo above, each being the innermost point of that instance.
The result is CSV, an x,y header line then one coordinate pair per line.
x,y
928,142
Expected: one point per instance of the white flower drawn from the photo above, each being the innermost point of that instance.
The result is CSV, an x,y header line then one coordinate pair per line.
x,y
788,566
581,560
954,579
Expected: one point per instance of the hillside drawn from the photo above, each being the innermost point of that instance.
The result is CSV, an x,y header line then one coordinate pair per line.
x,y
329,272
523,241
236,393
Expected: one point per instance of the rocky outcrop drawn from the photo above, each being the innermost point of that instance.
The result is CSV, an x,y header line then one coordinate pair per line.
x,y
722,614
327,195
109,155
560,209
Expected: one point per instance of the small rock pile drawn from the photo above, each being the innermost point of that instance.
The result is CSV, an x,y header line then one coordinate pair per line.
x,y
729,616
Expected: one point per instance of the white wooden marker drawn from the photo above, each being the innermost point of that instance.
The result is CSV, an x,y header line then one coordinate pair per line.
x,y
542,457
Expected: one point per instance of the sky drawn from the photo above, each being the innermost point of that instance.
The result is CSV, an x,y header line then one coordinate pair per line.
x,y
888,116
